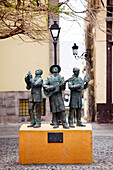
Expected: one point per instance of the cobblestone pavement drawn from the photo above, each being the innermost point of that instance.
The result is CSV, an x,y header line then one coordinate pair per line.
x,y
102,152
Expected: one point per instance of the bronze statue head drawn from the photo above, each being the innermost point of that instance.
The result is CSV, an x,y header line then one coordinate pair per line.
x,y
76,71
38,72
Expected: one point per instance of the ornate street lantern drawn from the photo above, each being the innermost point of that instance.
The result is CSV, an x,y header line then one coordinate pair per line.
x,y
75,49
85,55
55,30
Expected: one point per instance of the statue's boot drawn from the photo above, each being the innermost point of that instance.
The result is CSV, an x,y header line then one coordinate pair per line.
x,y
71,125
51,123
37,125
65,125
32,118
59,122
55,126
80,124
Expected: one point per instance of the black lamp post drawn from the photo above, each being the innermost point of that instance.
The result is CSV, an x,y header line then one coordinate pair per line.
x,y
55,30
86,55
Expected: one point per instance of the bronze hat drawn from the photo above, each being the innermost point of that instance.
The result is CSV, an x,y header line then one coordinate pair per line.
x,y
59,68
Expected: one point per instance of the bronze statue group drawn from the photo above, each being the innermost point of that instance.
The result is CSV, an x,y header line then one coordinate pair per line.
x,y
53,87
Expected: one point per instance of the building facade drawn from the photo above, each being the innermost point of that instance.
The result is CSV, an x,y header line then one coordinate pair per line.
x,y
17,58
99,43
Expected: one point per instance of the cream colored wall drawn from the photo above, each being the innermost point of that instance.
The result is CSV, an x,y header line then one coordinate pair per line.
x,y
100,73
100,60
17,58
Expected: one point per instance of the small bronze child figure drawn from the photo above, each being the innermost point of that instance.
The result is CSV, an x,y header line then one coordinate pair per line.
x,y
76,86
53,87
36,96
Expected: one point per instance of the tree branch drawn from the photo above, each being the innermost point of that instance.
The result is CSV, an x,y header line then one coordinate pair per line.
x,y
12,33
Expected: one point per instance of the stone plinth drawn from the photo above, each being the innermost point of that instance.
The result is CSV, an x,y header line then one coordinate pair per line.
x,y
74,145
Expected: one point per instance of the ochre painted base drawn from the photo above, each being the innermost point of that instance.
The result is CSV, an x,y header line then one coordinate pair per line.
x,y
76,147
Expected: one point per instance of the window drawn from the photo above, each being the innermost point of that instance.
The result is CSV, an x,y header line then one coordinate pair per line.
x,y
24,107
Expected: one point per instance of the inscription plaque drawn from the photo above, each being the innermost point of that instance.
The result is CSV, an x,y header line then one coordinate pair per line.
x,y
55,137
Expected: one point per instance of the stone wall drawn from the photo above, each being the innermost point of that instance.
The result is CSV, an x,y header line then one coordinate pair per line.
x,y
9,107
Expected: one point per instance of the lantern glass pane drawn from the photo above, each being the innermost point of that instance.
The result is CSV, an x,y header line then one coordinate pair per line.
x,y
55,33
75,51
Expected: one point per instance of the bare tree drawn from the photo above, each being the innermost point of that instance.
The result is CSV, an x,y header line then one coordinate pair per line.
x,y
23,17
30,17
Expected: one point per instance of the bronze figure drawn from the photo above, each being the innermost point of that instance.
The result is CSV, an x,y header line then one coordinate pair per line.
x,y
76,86
53,86
35,84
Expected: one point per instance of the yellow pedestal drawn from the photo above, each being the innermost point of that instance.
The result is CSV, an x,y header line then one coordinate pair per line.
x,y
76,147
